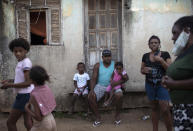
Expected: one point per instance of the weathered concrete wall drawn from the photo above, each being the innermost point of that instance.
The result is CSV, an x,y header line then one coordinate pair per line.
x,y
7,33
142,19
7,61
60,61
1,20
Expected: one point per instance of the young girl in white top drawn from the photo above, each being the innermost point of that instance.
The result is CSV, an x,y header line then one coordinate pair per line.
x,y
22,84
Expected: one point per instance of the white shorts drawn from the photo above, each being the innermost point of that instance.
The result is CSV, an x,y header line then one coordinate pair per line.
x,y
82,91
100,91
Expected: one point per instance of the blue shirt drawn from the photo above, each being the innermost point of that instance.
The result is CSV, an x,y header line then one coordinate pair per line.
x,y
105,74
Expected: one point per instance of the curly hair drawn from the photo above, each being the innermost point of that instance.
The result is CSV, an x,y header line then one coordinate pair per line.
x,y
19,42
39,75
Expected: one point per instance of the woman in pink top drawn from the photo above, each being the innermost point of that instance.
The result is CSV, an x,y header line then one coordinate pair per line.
x,y
117,75
42,101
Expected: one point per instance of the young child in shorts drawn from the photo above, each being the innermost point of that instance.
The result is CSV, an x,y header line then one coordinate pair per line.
x,y
117,75
81,81
22,84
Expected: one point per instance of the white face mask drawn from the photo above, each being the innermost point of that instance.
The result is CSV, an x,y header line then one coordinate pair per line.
x,y
180,43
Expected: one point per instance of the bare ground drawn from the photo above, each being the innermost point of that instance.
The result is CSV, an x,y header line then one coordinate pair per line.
x,y
131,121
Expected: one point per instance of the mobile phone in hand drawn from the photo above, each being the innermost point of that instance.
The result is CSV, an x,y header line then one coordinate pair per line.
x,y
156,53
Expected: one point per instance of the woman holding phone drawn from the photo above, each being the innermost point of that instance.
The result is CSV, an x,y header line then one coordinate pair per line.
x,y
154,65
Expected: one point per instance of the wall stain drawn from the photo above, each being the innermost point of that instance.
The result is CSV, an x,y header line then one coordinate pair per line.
x,y
67,11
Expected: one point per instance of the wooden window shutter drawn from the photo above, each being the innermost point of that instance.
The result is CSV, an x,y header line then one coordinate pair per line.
x,y
53,2
22,24
55,26
37,2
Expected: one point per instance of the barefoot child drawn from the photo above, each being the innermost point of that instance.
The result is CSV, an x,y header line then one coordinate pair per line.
x,y
117,75
42,101
81,80
22,84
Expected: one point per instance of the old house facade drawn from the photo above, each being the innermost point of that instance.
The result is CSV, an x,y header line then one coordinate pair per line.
x,y
65,32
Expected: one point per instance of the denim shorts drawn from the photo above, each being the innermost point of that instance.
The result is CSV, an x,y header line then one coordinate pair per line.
x,y
20,101
156,92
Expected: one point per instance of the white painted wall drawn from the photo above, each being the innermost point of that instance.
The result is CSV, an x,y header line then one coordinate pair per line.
x,y
61,61
144,19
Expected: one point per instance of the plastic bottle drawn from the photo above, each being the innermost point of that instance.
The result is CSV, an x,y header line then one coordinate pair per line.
x,y
145,117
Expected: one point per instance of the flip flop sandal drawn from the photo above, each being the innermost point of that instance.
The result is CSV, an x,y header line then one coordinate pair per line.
x,y
118,122
106,104
96,123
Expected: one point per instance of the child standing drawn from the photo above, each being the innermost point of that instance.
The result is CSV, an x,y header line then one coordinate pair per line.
x,y
117,75
42,101
22,84
81,80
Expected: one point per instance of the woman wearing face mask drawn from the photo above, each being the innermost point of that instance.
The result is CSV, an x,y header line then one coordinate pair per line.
x,y
179,76
154,65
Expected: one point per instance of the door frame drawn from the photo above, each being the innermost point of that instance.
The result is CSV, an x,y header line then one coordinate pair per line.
x,y
86,39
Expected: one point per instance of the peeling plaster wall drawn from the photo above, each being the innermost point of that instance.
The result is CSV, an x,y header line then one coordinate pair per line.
x,y
7,61
142,19
1,33
61,61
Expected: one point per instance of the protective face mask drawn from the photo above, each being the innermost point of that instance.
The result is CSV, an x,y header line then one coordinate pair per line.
x,y
180,43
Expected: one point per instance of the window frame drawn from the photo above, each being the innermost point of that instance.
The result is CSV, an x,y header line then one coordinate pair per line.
x,y
48,23
48,28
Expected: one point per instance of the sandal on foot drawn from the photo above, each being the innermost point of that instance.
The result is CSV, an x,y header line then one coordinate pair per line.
x,y
96,123
118,122
106,104
85,114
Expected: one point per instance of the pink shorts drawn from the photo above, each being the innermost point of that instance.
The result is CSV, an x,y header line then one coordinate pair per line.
x,y
109,88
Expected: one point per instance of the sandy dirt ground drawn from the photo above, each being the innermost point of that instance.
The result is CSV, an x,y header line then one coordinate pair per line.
x,y
131,121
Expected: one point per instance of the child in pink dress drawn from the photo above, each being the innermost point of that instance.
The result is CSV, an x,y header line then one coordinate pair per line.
x,y
117,75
